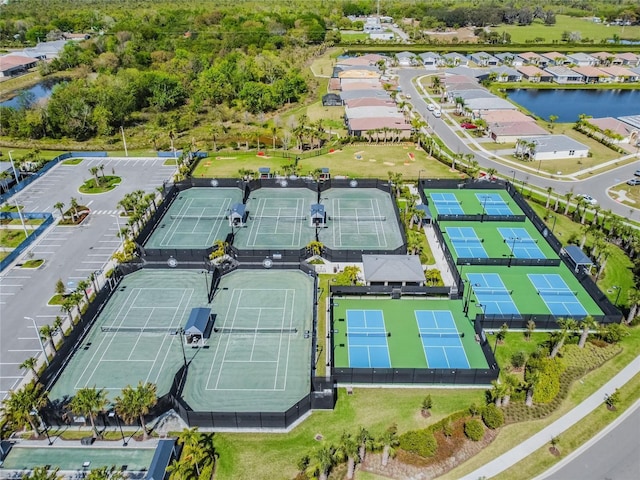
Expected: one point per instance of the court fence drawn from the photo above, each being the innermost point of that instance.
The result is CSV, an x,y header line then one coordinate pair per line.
x,y
478,217
457,279
383,290
519,322
509,262
33,235
443,376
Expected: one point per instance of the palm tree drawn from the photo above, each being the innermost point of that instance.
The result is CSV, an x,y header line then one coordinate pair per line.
x,y
315,248
105,473
584,230
74,206
511,383
389,441
596,211
194,454
19,405
57,325
365,442
322,461
491,172
47,331
394,181
348,448
497,392
567,196
531,326
549,191
59,206
558,337
633,297
30,364
89,402
136,403
44,473
83,285
586,324
94,171
532,378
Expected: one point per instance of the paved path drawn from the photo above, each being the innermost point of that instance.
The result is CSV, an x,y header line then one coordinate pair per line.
x,y
544,436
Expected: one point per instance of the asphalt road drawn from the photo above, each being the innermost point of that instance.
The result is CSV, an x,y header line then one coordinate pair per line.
x,y
70,253
596,185
614,456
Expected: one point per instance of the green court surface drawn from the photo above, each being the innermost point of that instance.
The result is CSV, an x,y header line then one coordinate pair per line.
x,y
470,203
405,346
493,241
255,371
360,218
71,458
147,298
196,218
524,295
245,371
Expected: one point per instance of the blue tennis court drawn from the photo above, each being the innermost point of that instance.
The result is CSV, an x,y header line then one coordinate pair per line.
x,y
447,203
492,294
522,245
493,204
440,339
466,243
557,295
367,339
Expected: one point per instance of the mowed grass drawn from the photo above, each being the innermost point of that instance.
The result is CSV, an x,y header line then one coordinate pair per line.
x,y
323,65
375,161
268,456
632,194
564,23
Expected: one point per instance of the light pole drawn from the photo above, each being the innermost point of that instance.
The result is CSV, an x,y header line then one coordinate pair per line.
x,y
46,359
24,227
484,209
15,172
619,289
45,429
513,179
419,172
513,245
555,217
113,414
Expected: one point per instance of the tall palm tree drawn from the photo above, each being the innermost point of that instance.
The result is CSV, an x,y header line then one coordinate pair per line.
x,y
74,207
532,378
19,405
94,171
531,326
57,325
596,211
105,473
136,403
47,331
194,453
549,191
89,402
365,442
586,324
633,297
321,462
44,473
30,364
348,449
568,197
59,206
567,325
389,440
82,286
497,392
511,383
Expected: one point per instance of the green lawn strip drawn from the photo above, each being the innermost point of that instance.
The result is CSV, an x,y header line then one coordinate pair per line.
x,y
514,434
516,342
33,263
170,162
353,37
11,238
260,455
324,282
107,183
632,196
72,161
570,440
56,300
344,161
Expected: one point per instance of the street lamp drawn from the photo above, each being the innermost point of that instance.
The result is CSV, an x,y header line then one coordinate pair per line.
x,y
555,217
45,429
619,289
513,179
513,245
46,359
484,209
24,227
419,172
15,172
117,217
113,414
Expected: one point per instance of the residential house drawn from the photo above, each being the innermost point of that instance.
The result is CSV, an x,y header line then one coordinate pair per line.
x,y
45,50
455,59
621,74
331,100
468,94
530,58
634,122
628,59
605,59
338,69
582,60
360,74
11,65
371,112
393,270
534,74
503,74
510,132
367,93
431,60
479,106
555,59
550,147
334,84
615,130
379,128
510,59
369,102
385,36
406,59
592,74
483,59
353,84
564,75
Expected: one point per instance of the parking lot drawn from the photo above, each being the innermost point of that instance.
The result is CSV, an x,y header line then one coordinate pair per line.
x,y
71,254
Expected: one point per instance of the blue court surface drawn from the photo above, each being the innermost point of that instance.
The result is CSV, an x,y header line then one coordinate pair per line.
x,y
440,339
446,203
493,204
466,243
367,339
492,294
557,295
521,243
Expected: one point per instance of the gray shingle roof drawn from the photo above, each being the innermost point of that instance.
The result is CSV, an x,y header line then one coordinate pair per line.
x,y
392,268
555,143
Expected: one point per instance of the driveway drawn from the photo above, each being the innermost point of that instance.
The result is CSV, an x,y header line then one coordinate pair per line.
x,y
70,253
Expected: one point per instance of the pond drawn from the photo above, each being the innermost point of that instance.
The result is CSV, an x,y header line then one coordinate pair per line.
x,y
29,96
569,104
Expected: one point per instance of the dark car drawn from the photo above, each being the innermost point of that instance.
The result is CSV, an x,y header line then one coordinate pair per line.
x,y
637,173
633,181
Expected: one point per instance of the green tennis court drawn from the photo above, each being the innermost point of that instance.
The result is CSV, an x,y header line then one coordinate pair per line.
x,y
471,202
196,219
416,339
263,364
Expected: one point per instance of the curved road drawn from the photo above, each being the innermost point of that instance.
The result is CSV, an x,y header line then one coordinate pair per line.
x,y
595,185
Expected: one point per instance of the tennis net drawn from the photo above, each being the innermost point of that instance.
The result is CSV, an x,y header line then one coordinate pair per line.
x,y
122,329
467,240
198,217
559,293
368,334
358,218
492,291
446,202
439,335
278,218
252,331
526,240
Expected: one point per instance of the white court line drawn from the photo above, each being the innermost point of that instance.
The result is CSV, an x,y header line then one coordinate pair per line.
x,y
25,350
233,293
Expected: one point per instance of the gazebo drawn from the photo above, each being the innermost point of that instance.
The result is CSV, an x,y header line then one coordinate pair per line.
x,y
578,258
198,326
237,215
318,215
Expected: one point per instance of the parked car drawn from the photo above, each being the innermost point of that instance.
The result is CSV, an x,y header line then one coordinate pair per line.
x,y
407,96
437,113
431,107
633,181
588,199
468,126
637,173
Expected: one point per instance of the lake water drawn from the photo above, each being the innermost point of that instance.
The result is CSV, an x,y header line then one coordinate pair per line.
x,y
38,92
569,104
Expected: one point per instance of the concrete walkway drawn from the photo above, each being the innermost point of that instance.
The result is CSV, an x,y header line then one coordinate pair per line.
x,y
544,436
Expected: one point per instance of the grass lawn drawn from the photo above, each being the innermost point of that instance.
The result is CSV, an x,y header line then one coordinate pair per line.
x,y
33,263
107,183
332,117
348,37
11,238
375,161
632,197
72,161
564,23
261,455
516,342
323,65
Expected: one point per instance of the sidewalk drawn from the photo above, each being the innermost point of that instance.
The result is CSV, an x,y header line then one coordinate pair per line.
x,y
544,436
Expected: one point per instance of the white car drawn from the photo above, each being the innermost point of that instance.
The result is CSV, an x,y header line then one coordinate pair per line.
x,y
407,96
588,199
437,113
431,107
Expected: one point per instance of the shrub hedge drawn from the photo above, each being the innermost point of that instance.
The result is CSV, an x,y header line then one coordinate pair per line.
x,y
492,416
474,430
421,442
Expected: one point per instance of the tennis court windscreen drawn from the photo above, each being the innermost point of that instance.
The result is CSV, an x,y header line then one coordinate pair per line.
x,y
252,331
123,329
359,218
